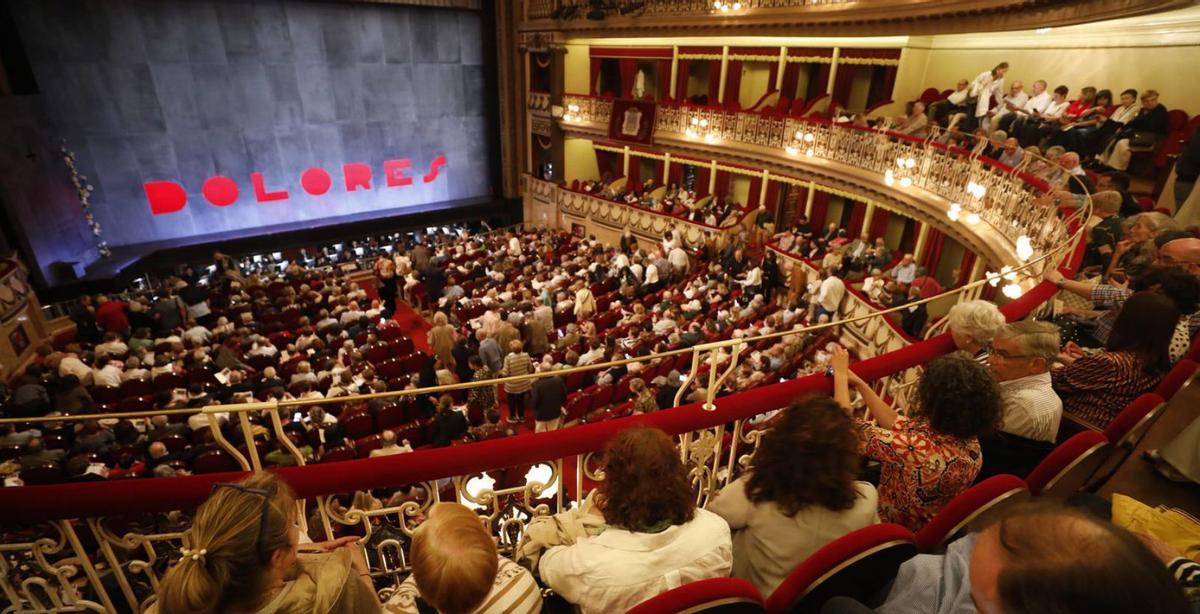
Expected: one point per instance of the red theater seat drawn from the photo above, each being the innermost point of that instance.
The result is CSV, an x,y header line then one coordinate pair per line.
x,y
723,595
856,565
358,426
952,520
50,473
340,453
1067,468
1176,378
214,461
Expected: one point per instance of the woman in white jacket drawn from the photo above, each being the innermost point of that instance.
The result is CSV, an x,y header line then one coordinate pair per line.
x,y
655,539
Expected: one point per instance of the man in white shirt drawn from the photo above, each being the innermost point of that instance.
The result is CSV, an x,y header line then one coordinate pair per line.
x,y
906,271
1021,355
1035,104
946,108
829,294
107,373
112,345
71,365
389,445
679,260
1014,101
1026,127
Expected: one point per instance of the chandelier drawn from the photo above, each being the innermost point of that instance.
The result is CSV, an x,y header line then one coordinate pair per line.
x,y
905,171
974,204
722,6
700,128
572,114
801,141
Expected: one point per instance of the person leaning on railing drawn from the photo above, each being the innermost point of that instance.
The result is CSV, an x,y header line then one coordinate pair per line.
x,y
932,454
242,553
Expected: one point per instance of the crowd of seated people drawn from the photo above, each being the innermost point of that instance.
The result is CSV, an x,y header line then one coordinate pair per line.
x,y
1096,129
540,301
675,200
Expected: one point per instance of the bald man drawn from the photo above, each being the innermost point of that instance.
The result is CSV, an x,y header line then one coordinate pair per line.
x,y
1182,253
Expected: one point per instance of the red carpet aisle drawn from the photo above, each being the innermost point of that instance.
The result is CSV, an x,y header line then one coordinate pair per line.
x,y
415,327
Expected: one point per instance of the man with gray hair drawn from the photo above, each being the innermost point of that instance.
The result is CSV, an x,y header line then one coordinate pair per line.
x,y
1106,228
1021,355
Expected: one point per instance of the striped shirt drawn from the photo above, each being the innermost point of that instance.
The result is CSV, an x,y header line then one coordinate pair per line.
x,y
514,591
1030,407
517,363
1095,388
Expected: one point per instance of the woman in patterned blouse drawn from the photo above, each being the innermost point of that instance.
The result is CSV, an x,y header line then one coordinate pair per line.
x,y
1095,387
932,454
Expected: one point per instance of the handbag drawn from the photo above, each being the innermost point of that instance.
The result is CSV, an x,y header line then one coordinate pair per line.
x,y
1144,139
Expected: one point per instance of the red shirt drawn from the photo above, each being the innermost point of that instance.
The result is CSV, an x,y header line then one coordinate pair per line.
x,y
928,285
111,317
1077,107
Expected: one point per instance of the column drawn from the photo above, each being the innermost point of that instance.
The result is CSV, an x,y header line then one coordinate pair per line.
x,y
674,72
812,188
837,52
625,162
870,213
666,178
922,236
712,178
724,68
782,67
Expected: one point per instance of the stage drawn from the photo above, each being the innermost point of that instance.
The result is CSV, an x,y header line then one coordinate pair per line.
x,y
128,262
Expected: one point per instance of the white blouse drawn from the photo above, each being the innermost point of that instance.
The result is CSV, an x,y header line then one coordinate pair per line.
x,y
618,569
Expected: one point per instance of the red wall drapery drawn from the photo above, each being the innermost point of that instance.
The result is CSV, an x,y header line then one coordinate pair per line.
x,y
752,197
842,83
714,81
681,81
791,78
608,162
820,208
889,82
933,249
964,269
635,174
676,174
658,171
879,222
858,213
819,85
721,185
701,186
772,196
733,84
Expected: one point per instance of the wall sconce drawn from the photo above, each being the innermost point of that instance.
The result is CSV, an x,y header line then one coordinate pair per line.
x,y
722,6
906,169
572,113
801,141
699,128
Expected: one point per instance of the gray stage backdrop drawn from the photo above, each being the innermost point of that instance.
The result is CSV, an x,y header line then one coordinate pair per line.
x,y
182,90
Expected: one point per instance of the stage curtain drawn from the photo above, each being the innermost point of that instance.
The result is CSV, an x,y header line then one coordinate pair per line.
x,y
664,79
681,81
733,84
879,222
714,82
842,83
858,213
752,197
820,209
791,78
595,73
933,249
721,185
628,73
964,269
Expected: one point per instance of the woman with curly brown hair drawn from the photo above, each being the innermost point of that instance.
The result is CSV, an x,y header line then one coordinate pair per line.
x,y
655,538
801,493
932,454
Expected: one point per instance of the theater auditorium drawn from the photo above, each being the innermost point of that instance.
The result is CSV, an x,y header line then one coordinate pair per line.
x,y
652,306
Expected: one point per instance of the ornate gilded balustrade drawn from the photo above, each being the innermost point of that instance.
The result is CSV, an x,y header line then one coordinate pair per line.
x,y
979,195
620,215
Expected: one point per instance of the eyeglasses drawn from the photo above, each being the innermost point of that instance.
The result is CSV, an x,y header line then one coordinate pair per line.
x,y
263,556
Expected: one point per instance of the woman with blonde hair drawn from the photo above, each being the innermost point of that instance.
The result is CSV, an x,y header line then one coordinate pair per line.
x,y
517,363
241,554
456,569
441,339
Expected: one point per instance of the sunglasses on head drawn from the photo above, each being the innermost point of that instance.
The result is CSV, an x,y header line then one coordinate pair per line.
x,y
266,495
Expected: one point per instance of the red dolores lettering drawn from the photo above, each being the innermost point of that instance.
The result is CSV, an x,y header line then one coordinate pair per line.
x,y
165,196
260,191
394,171
358,175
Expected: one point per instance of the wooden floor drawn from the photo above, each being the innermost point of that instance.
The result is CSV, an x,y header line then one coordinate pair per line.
x,y
1138,479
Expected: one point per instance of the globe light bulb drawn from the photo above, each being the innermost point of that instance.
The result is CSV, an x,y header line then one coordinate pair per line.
x,y
905,182
809,152
1012,291
972,218
1024,248
791,151
889,178
808,138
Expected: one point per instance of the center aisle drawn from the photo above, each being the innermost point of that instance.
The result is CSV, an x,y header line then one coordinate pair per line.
x,y
414,326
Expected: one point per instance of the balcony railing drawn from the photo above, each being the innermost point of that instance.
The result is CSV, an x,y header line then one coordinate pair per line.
x,y
987,192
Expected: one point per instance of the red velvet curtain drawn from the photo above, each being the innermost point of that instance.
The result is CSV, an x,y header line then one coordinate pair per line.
x,y
889,82
858,212
595,74
933,249
714,81
772,76
964,269
628,72
676,174
664,80
820,209
733,84
681,81
608,162
658,172
635,174
721,185
820,85
879,222
842,83
772,196
752,197
791,78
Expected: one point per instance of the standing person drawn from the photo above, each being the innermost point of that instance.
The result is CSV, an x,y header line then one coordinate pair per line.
x,y
112,315
195,298
168,312
770,275
448,423
481,398
242,554
489,351
515,364
986,87
441,339
548,398
385,273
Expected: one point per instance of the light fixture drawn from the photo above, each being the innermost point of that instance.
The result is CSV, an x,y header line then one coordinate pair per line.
x,y
972,218
954,212
801,141
1012,291
791,150
724,6
699,128
903,174
1043,30
1024,248
572,113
